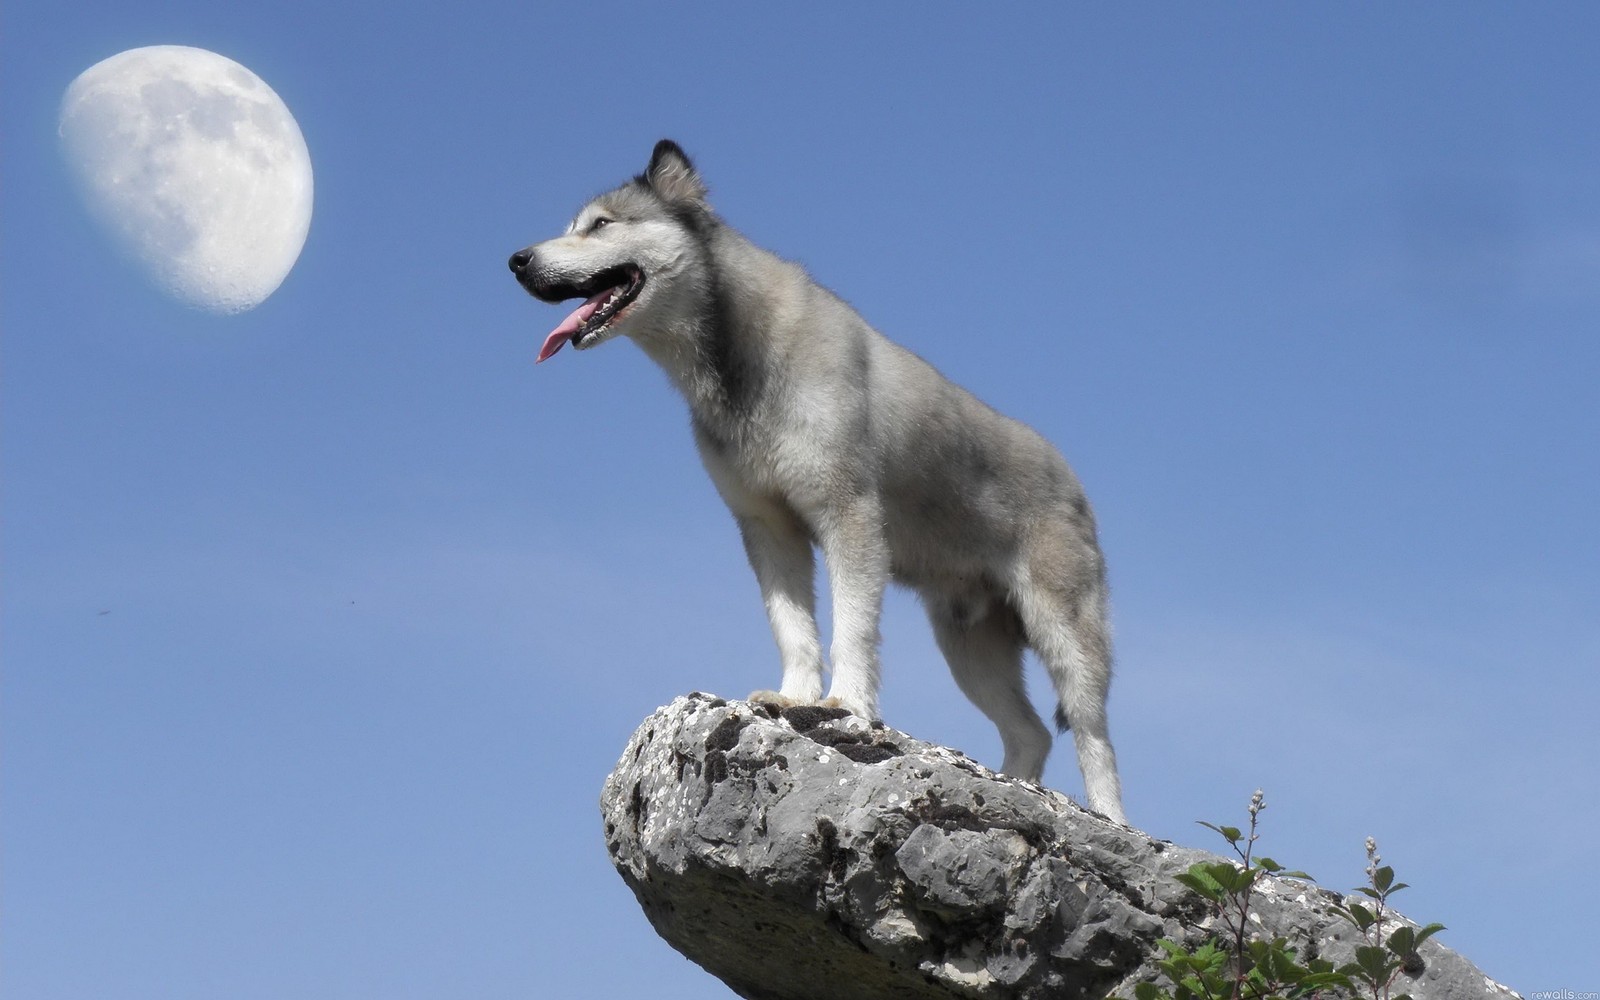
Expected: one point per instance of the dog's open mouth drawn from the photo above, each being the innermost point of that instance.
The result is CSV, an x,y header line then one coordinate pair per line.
x,y
609,292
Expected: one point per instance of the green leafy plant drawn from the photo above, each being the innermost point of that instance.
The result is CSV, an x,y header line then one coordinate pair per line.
x,y
1380,962
1236,965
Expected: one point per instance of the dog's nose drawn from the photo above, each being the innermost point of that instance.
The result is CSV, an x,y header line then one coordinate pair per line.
x,y
520,259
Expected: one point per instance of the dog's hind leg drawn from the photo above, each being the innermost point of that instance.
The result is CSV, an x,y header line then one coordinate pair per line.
x,y
780,553
983,643
1061,596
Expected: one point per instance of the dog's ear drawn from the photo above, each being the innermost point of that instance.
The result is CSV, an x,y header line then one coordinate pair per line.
x,y
672,176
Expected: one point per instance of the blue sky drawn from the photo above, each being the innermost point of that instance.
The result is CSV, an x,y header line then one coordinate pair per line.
x,y
324,623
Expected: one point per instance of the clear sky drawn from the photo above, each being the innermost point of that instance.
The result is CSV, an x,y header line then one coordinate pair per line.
x,y
324,623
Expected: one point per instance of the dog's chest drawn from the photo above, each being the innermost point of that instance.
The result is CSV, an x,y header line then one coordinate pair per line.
x,y
770,460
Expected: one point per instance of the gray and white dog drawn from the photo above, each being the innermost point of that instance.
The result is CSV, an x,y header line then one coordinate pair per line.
x,y
820,432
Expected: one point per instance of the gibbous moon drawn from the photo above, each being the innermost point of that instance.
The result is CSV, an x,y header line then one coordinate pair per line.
x,y
195,167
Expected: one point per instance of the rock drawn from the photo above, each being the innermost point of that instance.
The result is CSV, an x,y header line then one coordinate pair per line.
x,y
809,854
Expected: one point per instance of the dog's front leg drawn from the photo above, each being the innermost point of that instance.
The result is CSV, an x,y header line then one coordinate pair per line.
x,y
780,553
778,546
857,554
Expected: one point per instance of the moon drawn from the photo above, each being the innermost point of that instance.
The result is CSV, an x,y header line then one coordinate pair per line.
x,y
195,168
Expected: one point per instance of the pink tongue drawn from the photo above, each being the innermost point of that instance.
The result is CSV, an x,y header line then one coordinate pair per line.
x,y
569,327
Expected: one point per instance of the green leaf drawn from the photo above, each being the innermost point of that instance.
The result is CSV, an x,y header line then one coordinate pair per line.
x,y
1211,954
1369,891
1147,991
1428,932
1278,964
1237,880
1360,916
1172,970
1203,884
1374,964
1227,876
1324,981
1270,865
1231,834
1383,878
1402,942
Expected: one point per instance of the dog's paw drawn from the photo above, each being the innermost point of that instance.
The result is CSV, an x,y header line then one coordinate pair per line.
x,y
772,698
867,712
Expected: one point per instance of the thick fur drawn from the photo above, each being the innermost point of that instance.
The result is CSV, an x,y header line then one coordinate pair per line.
x,y
821,434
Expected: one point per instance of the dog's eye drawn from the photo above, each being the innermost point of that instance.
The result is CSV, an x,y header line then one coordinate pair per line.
x,y
596,225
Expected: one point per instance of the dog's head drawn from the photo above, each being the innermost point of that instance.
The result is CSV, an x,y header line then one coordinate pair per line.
x,y
621,253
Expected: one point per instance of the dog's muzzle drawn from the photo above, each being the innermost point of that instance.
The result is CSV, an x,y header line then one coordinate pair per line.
x,y
522,265
605,294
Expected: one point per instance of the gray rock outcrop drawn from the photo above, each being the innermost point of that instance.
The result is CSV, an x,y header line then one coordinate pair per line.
x,y
809,855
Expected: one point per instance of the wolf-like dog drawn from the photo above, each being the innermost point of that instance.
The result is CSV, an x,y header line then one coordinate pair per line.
x,y
819,432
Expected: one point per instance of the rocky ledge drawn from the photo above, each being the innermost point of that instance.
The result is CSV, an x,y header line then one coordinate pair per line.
x,y
806,853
